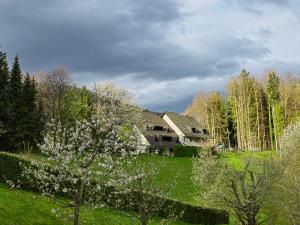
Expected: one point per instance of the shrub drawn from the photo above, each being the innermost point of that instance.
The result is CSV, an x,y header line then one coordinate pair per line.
x,y
163,150
185,151
11,170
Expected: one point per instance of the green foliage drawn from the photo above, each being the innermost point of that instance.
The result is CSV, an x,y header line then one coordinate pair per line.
x,y
4,82
185,151
31,121
284,205
242,192
20,117
163,150
11,170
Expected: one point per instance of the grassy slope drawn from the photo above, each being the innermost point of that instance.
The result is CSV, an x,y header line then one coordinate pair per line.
x,y
180,169
26,208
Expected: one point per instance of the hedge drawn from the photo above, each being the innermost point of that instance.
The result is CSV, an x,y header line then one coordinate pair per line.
x,y
10,169
185,151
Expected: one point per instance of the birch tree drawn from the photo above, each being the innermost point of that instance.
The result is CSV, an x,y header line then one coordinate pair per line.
x,y
274,109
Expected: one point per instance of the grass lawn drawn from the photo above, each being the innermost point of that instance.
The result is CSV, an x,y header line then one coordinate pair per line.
x,y
27,208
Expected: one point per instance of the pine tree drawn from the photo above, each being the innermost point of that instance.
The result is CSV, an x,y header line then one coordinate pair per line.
x,y
15,101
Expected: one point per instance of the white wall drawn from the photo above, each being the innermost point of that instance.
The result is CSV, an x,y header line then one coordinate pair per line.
x,y
173,126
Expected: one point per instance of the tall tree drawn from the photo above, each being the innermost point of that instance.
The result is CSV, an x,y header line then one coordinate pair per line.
x,y
242,101
15,102
52,89
217,121
274,108
4,101
31,116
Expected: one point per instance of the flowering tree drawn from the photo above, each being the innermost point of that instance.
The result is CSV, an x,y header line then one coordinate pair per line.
x,y
284,206
243,192
73,155
85,160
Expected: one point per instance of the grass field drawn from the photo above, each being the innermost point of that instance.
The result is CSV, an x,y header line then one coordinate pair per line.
x,y
27,208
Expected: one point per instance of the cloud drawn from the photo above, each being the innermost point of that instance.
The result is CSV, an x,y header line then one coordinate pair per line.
x,y
167,47
114,39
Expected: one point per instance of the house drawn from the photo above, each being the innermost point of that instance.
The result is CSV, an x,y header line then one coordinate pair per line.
x,y
167,129
155,133
188,129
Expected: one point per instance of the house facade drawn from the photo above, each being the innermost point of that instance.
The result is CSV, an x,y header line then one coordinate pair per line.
x,y
155,133
188,129
167,129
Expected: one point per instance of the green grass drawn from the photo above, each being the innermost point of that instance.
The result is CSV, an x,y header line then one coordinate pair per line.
x,y
179,169
238,159
27,208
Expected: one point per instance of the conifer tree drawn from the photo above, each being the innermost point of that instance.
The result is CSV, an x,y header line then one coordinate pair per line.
x,y
4,114
28,110
15,99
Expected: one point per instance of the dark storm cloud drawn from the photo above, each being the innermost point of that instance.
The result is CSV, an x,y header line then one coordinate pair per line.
x,y
113,38
251,2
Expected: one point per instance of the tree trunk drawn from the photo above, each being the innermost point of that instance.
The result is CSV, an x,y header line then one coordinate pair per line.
x,y
270,125
251,220
78,200
144,220
76,212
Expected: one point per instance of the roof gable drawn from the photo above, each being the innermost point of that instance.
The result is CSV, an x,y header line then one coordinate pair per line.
x,y
189,126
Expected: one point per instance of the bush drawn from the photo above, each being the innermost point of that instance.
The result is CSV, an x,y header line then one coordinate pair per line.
x,y
163,150
11,170
186,212
186,151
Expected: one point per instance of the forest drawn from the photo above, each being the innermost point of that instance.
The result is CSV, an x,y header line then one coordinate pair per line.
x,y
29,102
253,112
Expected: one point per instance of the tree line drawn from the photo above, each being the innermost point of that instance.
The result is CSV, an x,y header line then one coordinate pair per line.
x,y
21,120
253,113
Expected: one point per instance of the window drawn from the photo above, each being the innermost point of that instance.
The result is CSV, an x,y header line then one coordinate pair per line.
x,y
160,128
166,138
195,130
205,131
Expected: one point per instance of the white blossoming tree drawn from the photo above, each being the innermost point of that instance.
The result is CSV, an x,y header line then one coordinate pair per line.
x,y
84,161
243,192
284,206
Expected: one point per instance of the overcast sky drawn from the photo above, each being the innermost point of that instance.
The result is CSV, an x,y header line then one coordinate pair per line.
x,y
163,51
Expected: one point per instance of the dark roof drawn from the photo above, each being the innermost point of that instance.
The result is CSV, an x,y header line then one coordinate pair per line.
x,y
151,119
186,125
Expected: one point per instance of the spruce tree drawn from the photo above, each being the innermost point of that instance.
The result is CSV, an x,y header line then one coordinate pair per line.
x,y
15,102
28,109
4,113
